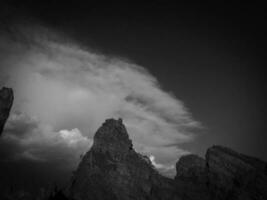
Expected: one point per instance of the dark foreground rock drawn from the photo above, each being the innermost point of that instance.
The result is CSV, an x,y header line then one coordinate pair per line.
x,y
112,170
225,174
6,101
191,178
235,176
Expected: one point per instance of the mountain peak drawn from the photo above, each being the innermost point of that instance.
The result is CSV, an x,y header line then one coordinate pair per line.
x,y
112,136
113,170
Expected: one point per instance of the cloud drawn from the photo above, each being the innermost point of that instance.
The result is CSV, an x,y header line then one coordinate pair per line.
x,y
157,165
38,142
62,86
20,124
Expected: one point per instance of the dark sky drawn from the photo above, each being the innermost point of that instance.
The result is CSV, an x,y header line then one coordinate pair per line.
x,y
208,55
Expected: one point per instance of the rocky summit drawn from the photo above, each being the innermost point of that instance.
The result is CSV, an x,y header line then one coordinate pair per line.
x,y
113,170
6,101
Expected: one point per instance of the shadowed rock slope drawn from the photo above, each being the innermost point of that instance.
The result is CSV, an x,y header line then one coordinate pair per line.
x,y
224,174
6,101
112,170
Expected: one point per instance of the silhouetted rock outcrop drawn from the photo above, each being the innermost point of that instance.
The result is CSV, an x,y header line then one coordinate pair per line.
x,y
112,170
191,167
6,101
235,176
191,178
225,174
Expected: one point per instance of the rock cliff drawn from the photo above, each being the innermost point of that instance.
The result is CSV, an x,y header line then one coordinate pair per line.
x,y
224,174
113,170
6,101
235,176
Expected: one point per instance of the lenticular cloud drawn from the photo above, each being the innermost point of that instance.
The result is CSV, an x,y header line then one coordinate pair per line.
x,y
73,90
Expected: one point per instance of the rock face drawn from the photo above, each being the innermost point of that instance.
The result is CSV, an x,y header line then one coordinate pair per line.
x,y
224,174
6,101
235,176
112,170
191,167
191,178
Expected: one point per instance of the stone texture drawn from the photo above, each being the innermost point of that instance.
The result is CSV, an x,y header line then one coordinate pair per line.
x,y
191,167
113,170
6,101
225,174
191,178
235,176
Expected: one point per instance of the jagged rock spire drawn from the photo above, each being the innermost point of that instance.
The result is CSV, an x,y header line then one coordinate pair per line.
x,y
112,170
112,136
6,101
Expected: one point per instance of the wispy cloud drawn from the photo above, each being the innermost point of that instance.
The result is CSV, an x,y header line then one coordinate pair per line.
x,y
71,90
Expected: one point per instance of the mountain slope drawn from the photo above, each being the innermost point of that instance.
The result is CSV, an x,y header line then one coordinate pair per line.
x,y
224,174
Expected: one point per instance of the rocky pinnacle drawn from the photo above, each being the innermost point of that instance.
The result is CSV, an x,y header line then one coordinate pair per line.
x,y
6,101
113,170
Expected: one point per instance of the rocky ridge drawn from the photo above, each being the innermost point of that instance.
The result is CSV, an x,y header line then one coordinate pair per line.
x,y
223,174
113,170
6,101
